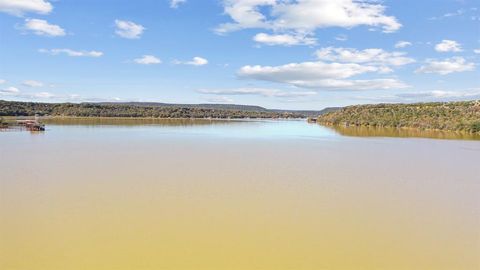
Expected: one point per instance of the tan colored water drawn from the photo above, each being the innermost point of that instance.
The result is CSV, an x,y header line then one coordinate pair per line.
x,y
255,195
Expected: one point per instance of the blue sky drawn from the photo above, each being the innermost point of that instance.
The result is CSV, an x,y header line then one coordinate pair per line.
x,y
303,54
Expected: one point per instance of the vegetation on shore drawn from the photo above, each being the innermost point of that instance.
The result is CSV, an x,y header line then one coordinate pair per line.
x,y
153,110
450,116
3,123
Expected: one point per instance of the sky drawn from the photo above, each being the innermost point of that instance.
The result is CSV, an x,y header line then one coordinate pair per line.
x,y
283,54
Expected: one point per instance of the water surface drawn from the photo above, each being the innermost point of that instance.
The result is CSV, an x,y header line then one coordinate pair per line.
x,y
235,195
403,133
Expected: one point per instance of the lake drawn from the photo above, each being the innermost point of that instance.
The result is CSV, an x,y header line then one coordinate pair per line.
x,y
204,194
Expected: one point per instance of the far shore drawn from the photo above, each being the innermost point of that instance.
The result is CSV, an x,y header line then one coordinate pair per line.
x,y
333,126
147,118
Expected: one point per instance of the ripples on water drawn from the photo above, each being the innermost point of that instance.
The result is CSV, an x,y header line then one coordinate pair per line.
x,y
188,194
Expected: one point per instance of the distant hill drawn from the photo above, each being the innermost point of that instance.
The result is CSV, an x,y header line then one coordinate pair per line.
x,y
204,106
236,107
452,116
328,110
148,110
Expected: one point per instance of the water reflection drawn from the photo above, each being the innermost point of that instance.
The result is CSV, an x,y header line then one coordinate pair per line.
x,y
244,129
402,133
134,121
260,128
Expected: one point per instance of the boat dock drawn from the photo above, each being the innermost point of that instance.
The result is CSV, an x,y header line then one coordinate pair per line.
x,y
24,124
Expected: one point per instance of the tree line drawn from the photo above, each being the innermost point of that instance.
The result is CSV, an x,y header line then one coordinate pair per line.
x,y
14,108
452,116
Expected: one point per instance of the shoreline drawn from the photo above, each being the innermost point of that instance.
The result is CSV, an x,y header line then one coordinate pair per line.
x,y
461,116
343,129
405,128
148,118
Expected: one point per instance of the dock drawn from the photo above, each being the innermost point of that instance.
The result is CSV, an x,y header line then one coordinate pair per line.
x,y
311,120
31,125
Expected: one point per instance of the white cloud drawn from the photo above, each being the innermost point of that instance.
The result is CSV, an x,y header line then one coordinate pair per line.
x,y
356,85
441,94
458,12
2,81
306,15
373,84
43,95
43,28
368,56
10,90
265,92
447,66
20,7
196,61
448,46
341,37
476,51
428,96
320,75
304,70
176,3
30,96
148,60
220,99
127,29
32,83
334,70
453,14
15,94
402,44
283,39
73,53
